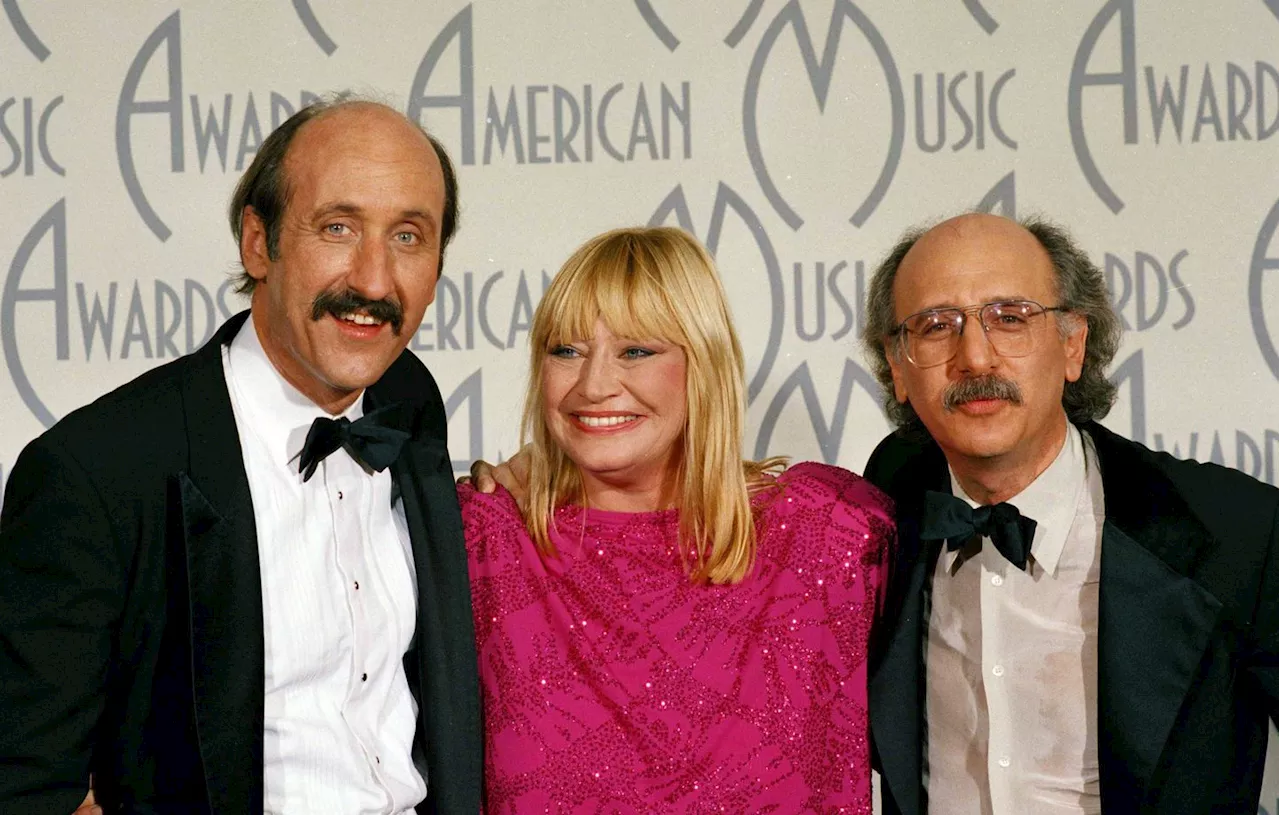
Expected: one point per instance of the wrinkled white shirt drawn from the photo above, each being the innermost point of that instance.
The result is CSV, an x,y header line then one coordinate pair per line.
x,y
1012,657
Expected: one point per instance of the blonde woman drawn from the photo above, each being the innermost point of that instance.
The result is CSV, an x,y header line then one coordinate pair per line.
x,y
666,627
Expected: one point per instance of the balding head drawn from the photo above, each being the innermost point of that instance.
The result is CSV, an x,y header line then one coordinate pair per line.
x,y
265,186
1079,286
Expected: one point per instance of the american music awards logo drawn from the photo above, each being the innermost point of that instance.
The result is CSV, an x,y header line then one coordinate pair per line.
x,y
957,109
25,121
226,129
52,224
1184,105
610,120
42,306
24,127
817,303
1254,451
1149,289
819,69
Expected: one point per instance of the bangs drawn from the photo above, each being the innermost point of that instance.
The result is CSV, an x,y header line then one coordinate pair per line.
x,y
619,282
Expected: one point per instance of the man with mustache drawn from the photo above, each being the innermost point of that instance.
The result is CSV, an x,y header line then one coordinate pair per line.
x,y
1075,623
238,583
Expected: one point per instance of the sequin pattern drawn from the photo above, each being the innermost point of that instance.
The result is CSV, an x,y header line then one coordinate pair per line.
x,y
613,684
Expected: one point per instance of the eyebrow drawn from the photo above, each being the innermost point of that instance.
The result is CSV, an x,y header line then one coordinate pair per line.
x,y
346,208
1000,298
419,214
339,208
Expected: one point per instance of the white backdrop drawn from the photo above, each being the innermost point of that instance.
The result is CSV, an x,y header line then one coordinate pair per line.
x,y
797,138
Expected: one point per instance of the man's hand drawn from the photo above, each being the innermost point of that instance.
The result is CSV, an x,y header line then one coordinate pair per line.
x,y
513,474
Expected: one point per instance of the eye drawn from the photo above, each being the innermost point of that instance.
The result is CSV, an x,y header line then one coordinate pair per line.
x,y
1012,315
635,352
407,238
564,351
336,229
933,326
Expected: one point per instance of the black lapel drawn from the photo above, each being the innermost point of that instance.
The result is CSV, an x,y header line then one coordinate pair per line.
x,y
1154,622
448,689
896,687
225,586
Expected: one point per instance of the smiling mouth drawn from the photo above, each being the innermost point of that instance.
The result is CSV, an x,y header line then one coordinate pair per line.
x,y
358,313
605,421
356,318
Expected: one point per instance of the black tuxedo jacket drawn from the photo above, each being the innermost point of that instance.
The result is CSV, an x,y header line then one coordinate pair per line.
x,y
131,642
1186,631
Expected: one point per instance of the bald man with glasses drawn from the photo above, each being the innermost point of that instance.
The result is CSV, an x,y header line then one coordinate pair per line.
x,y
1075,623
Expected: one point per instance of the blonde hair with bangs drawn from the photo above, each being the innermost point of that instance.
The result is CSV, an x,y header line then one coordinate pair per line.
x,y
656,282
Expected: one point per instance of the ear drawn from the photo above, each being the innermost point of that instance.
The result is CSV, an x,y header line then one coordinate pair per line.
x,y
1074,345
253,244
895,367
431,291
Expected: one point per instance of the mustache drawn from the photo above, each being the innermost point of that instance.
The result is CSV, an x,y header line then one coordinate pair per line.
x,y
980,387
344,302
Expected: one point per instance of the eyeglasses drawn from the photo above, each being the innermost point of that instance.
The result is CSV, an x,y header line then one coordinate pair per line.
x,y
932,337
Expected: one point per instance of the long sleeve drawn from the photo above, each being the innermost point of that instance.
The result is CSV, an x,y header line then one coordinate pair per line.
x,y
852,544
1262,661
61,588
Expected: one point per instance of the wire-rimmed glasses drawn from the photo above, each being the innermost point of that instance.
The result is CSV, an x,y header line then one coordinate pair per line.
x,y
932,337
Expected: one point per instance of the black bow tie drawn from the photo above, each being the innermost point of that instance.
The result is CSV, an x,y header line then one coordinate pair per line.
x,y
949,518
374,439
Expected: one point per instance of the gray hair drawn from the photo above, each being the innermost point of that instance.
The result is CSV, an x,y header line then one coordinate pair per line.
x,y
1081,288
265,185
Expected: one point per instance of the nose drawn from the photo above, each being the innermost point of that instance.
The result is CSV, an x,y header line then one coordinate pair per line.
x,y
370,274
974,354
598,379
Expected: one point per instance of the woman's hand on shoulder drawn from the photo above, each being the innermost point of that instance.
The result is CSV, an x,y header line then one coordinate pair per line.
x,y
512,475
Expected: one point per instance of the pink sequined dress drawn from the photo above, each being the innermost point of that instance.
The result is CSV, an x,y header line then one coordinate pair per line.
x,y
612,684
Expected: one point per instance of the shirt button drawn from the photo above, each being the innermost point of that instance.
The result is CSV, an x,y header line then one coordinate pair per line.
x,y
1003,761
339,495
357,585
998,670
997,580
364,677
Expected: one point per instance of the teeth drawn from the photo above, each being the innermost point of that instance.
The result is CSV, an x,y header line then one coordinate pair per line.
x,y
606,421
360,319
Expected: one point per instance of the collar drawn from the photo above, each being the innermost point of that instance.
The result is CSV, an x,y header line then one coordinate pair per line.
x,y
1051,500
275,412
